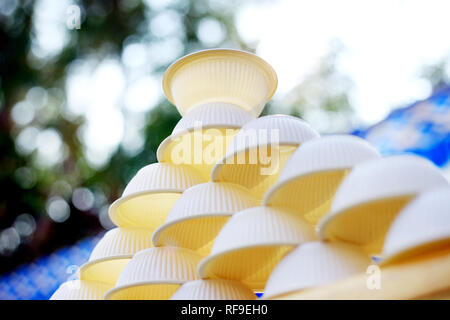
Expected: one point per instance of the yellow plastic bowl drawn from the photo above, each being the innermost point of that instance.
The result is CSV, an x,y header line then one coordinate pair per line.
x,y
313,173
424,277
217,289
113,252
422,226
151,193
81,290
315,264
202,210
155,274
201,137
372,195
251,243
259,151
220,75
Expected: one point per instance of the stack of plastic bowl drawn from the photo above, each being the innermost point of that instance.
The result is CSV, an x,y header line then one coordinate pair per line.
x,y
415,260
239,204
259,151
143,206
252,242
200,213
310,178
396,208
372,195
216,92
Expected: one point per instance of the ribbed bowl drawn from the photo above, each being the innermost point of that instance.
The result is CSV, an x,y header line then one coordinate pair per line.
x,y
201,137
213,115
80,290
422,278
113,252
422,226
312,174
259,151
314,264
155,273
372,194
216,289
149,196
202,210
224,75
251,243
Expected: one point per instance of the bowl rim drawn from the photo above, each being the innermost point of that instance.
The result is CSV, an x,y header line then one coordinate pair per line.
x,y
205,273
280,185
114,290
159,232
113,208
87,265
215,171
171,71
428,247
323,224
160,152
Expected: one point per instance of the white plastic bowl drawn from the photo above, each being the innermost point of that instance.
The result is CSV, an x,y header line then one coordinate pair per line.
x,y
113,252
202,210
372,194
201,137
217,289
224,75
312,174
149,196
80,290
252,242
155,273
259,151
314,264
421,227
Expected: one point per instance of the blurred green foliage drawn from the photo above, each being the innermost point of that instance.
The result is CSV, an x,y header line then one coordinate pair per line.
x,y
26,187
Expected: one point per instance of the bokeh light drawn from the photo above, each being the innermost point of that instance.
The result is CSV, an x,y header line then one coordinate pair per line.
x,y
58,209
211,32
25,225
83,199
9,241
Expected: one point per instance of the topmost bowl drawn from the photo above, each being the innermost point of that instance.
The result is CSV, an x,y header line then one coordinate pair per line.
x,y
220,75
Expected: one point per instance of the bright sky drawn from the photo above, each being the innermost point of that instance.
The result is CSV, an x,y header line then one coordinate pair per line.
x,y
387,42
